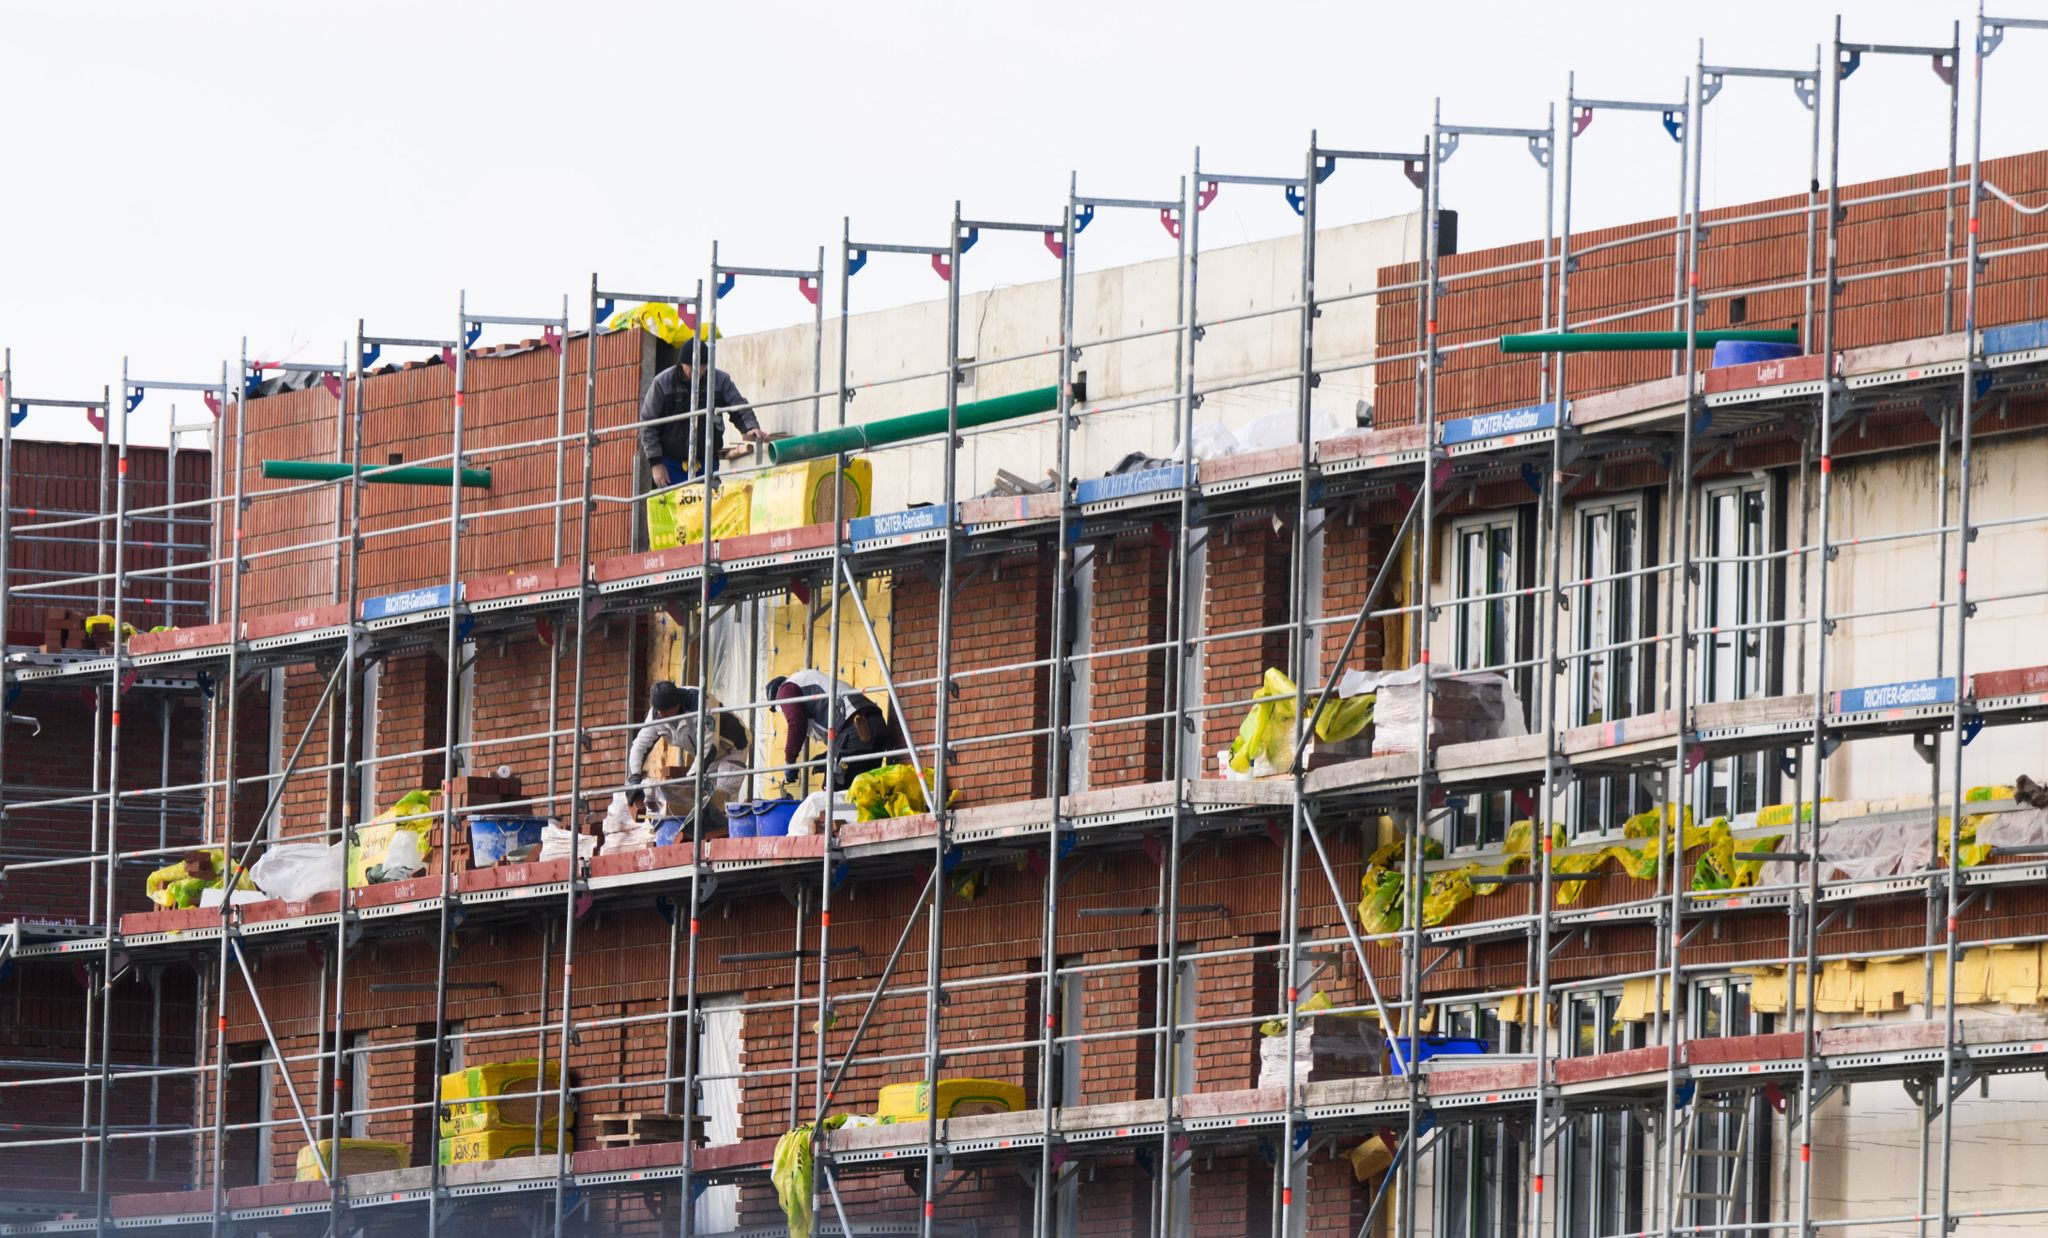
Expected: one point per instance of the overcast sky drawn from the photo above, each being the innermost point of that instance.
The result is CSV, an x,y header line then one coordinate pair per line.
x,y
179,176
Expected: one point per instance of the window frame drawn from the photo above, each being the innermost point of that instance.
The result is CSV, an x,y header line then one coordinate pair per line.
x,y
1482,824
1614,1202
1599,807
1717,786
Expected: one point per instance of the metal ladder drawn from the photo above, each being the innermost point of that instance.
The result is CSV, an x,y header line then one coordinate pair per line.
x,y
1728,1165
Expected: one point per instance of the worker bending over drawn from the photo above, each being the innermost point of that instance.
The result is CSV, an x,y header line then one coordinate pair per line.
x,y
672,716
670,446
811,710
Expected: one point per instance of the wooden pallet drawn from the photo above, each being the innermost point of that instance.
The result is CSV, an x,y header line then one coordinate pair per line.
x,y
629,1130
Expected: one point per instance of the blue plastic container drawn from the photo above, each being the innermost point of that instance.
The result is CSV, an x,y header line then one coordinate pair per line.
x,y
772,817
668,829
1748,352
491,839
1435,1046
739,819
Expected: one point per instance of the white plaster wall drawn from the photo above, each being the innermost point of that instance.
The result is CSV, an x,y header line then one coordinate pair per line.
x,y
1896,493
1024,319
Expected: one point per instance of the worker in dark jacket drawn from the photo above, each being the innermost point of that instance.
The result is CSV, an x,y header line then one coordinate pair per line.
x,y
670,446
813,707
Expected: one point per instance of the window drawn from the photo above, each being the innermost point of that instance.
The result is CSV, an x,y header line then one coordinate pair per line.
x,y
1728,1143
274,686
358,1060
1607,615
1600,1157
719,1053
1069,996
1487,562
1481,1165
1736,594
366,743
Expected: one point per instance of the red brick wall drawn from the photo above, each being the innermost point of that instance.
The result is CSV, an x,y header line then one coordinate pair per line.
x,y
409,411
55,479
1873,236
1001,616
1130,610
1246,588
1355,544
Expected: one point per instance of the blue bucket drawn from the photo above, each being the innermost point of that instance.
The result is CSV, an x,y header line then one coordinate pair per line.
x,y
772,817
491,839
1749,352
668,829
739,820
1435,1046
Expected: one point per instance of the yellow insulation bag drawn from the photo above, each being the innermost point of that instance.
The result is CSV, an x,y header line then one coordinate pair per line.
x,y
358,1156
795,495
496,1145
473,1097
958,1098
676,517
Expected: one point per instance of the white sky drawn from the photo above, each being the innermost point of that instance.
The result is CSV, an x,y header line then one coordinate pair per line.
x,y
177,177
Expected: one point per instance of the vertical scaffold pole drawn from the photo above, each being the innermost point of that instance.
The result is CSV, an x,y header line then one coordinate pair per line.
x,y
351,792
451,718
1303,665
1966,413
107,969
227,734
1671,812
1044,1196
942,820
1411,895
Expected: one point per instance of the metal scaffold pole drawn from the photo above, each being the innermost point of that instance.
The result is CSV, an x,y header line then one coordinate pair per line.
x,y
1303,664
942,743
1045,1190
1409,1034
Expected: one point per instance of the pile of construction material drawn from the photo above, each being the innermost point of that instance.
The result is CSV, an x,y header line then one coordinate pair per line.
x,y
491,1111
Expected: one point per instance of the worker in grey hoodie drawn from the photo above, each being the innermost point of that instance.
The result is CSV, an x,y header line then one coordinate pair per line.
x,y
672,716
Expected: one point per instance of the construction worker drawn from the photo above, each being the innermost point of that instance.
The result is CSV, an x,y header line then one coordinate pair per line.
x,y
672,716
670,447
811,710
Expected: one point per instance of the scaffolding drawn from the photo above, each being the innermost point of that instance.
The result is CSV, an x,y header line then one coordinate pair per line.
x,y
1408,467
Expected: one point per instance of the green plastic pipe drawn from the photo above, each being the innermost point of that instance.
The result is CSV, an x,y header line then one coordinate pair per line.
x,y
911,425
1637,341
402,475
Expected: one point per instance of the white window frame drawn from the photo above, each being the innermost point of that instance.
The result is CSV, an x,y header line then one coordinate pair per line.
x,y
1483,825
1081,682
1756,666
1600,1132
1610,800
1471,1142
1717,997
274,679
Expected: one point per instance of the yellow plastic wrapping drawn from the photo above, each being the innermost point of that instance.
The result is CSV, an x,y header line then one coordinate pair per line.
x,y
172,886
415,813
791,1175
887,791
657,318
1318,1000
